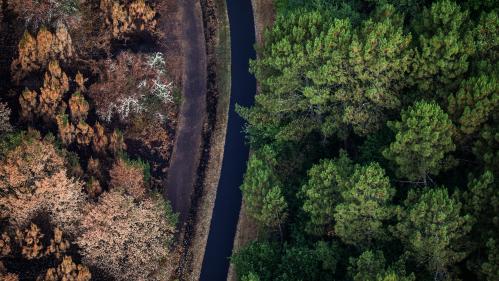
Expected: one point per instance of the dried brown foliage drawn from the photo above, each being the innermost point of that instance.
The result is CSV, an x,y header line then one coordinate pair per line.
x,y
33,160
100,142
58,196
93,187
84,133
29,240
36,53
36,13
5,125
127,238
128,178
68,271
116,142
5,276
131,84
125,17
5,247
78,107
49,102
58,245
55,84
65,129
30,250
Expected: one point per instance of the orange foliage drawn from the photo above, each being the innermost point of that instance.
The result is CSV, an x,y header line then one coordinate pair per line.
x,y
49,102
8,276
130,17
29,104
78,107
122,236
29,241
116,142
127,178
5,247
65,129
100,141
93,188
55,84
84,133
58,245
68,271
34,54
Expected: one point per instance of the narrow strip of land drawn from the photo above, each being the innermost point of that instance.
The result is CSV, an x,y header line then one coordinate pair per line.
x,y
186,151
228,199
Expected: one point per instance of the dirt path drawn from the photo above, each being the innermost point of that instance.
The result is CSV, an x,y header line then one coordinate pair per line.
x,y
192,115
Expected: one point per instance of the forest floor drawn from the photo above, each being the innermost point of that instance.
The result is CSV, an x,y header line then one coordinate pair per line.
x,y
192,115
247,228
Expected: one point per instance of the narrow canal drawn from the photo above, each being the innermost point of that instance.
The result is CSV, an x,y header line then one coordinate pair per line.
x,y
228,200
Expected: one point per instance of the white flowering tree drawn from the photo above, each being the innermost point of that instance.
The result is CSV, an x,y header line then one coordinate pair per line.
x,y
132,84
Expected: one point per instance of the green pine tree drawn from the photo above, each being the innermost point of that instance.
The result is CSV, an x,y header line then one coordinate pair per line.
x,y
431,227
322,192
423,138
365,206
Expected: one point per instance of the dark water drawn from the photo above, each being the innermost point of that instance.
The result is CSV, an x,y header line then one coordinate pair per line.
x,y
228,200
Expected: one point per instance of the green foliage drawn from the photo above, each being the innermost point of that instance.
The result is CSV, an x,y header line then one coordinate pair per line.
x,y
257,258
370,266
304,263
476,100
322,192
491,267
264,261
486,147
423,138
250,277
262,189
9,141
367,266
365,207
431,228
406,86
138,163
328,76
444,47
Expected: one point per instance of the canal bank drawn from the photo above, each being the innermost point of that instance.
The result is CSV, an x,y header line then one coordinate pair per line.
x,y
228,199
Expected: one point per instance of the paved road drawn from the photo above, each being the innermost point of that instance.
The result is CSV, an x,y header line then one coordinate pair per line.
x,y
186,151
228,201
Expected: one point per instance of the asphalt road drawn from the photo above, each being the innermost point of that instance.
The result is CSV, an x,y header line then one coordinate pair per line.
x,y
228,200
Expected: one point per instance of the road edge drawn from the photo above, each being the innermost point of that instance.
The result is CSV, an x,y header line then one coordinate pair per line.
x,y
245,222
214,165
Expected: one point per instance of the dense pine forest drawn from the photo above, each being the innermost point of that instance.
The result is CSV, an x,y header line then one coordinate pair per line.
x,y
375,141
